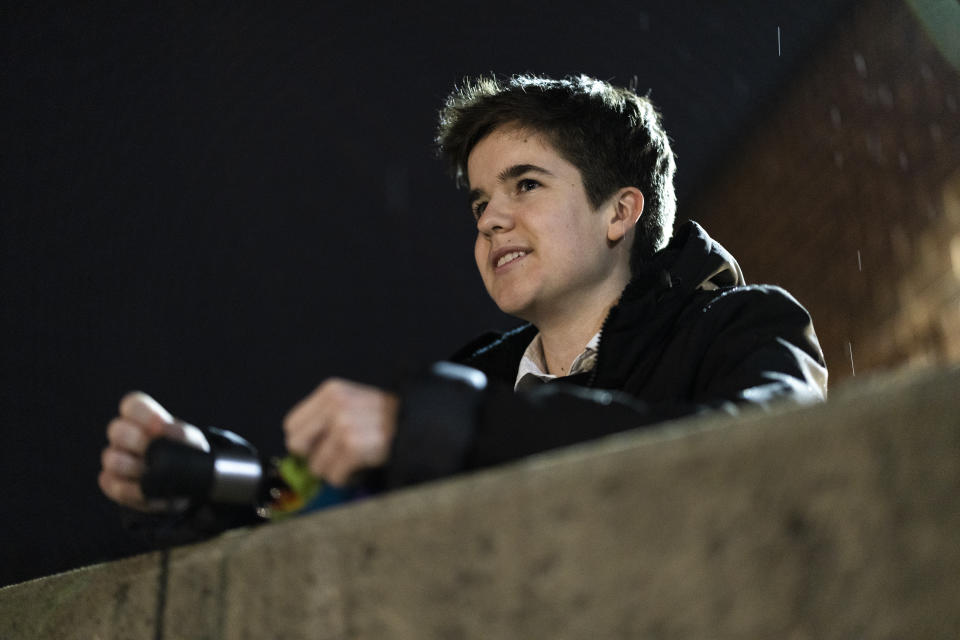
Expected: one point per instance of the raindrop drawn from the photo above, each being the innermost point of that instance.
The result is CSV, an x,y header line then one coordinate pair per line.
x,y
955,255
850,349
861,64
778,41
835,116
859,261
885,95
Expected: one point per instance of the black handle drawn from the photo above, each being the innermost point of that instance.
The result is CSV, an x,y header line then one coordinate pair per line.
x,y
176,470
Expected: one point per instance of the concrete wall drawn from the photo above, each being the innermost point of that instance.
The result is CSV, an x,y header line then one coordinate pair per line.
x,y
834,521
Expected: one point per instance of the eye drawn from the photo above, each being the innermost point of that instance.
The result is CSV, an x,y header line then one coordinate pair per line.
x,y
527,184
477,208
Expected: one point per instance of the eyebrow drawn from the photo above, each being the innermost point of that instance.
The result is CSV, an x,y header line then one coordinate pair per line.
x,y
509,173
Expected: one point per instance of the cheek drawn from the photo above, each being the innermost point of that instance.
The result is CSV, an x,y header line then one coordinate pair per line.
x,y
480,252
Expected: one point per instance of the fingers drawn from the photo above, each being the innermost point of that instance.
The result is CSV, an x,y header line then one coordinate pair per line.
x,y
144,410
349,448
338,457
122,464
342,427
306,424
142,419
129,436
127,493
121,490
323,459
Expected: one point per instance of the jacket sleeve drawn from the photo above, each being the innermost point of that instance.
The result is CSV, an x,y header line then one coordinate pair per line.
x,y
759,348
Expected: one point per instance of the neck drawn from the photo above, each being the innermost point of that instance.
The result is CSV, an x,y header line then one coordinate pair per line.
x,y
565,335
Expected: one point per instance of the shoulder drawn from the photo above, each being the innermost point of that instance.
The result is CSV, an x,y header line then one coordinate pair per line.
x,y
747,316
759,316
745,302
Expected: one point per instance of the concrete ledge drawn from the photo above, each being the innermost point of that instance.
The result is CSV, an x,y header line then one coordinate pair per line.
x,y
833,521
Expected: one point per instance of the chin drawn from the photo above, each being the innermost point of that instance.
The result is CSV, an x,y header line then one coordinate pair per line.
x,y
514,308
514,302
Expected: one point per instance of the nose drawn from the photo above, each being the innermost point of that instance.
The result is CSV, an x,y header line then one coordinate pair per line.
x,y
496,218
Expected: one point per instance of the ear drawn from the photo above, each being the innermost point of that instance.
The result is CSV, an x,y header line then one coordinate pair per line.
x,y
627,207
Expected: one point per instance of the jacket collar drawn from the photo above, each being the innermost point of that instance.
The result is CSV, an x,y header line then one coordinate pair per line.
x,y
691,260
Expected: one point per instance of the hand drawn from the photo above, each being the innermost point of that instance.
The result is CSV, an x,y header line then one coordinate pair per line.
x,y
342,427
141,420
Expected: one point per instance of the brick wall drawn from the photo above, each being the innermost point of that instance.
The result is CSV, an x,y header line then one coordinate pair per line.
x,y
848,194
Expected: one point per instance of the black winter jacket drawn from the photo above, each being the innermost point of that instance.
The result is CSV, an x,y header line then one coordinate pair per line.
x,y
687,336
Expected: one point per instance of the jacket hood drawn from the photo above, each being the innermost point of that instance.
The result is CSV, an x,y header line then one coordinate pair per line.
x,y
692,260
657,296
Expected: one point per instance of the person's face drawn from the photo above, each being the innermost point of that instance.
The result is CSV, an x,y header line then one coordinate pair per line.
x,y
541,248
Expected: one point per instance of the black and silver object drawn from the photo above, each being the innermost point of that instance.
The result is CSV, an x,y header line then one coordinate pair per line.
x,y
231,472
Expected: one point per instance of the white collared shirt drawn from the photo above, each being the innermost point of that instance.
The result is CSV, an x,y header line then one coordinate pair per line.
x,y
533,363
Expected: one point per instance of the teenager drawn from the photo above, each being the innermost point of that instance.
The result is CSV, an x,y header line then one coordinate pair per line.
x,y
625,323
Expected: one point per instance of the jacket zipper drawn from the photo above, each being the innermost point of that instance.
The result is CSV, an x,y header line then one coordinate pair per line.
x,y
591,381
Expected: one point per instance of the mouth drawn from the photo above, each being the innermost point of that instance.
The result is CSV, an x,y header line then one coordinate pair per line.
x,y
506,257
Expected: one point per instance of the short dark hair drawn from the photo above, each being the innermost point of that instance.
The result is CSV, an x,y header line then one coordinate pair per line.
x,y
611,134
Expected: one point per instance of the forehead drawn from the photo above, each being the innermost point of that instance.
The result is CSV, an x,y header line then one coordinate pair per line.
x,y
509,145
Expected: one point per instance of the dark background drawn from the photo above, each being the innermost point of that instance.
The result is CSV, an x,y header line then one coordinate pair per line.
x,y
223,207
